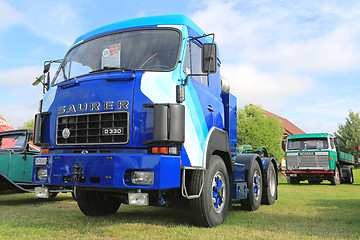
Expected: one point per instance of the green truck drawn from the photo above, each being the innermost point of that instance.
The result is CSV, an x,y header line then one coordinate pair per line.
x,y
316,157
16,164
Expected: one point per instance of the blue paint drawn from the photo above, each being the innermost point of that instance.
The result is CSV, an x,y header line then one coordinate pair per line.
x,y
218,190
141,23
109,165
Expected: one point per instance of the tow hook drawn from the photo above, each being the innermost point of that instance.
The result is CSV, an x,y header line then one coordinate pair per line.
x,y
78,171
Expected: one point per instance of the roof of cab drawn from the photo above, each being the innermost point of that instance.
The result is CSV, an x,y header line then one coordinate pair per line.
x,y
310,135
142,22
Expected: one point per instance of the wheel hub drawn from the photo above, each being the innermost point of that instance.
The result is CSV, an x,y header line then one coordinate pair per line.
x,y
257,185
218,192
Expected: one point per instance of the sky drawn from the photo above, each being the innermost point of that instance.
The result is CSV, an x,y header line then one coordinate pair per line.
x,y
298,59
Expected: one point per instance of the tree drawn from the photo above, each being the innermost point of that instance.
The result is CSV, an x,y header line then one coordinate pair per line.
x,y
257,129
28,125
349,133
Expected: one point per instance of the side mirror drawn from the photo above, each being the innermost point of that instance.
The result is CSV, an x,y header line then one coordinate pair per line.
x,y
46,67
209,58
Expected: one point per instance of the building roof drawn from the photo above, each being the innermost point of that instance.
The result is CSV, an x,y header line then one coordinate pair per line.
x,y
289,127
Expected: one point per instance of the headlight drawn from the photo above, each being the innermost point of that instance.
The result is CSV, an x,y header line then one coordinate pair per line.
x,y
41,161
41,174
142,177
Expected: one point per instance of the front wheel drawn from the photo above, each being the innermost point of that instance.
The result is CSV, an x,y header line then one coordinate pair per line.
x,y
335,180
253,200
210,209
96,203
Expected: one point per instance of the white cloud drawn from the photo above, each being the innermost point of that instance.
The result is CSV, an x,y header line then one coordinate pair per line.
x,y
21,76
58,21
296,36
279,55
18,99
334,52
8,17
251,85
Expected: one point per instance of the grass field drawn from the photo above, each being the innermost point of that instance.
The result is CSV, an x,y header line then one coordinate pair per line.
x,y
302,212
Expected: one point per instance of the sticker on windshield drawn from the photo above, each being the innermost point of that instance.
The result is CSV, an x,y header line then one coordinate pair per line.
x,y
111,56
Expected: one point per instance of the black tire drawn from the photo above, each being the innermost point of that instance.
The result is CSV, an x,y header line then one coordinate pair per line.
x,y
73,194
96,203
315,182
270,192
210,209
254,184
335,180
351,177
347,175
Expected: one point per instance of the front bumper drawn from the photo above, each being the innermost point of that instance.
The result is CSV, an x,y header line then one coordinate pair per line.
x,y
109,170
310,174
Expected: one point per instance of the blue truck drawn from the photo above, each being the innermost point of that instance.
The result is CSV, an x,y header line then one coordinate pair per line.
x,y
137,113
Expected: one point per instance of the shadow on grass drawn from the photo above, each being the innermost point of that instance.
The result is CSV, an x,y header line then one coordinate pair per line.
x,y
331,219
20,199
71,217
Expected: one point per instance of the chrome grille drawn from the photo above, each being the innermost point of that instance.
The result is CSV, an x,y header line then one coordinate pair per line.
x,y
314,161
86,129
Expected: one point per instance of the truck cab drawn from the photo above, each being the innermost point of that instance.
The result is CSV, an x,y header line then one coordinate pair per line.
x,y
137,113
315,157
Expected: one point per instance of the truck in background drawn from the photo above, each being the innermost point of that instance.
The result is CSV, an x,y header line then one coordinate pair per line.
x,y
16,163
137,113
316,157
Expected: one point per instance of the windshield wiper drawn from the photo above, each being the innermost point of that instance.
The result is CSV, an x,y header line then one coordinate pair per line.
x,y
112,68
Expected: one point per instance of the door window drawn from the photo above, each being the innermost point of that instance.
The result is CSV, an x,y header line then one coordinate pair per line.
x,y
192,63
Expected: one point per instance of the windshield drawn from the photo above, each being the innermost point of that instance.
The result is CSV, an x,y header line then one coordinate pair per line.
x,y
307,144
15,142
147,49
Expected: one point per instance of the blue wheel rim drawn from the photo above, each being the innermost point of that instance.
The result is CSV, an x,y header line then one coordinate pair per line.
x,y
257,185
218,192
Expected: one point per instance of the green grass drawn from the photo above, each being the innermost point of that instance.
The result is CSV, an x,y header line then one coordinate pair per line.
x,y
302,212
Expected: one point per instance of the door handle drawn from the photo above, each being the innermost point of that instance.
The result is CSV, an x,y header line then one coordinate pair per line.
x,y
211,109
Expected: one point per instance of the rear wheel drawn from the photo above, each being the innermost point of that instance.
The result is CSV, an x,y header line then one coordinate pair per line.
x,y
351,177
270,191
348,176
96,203
253,200
211,207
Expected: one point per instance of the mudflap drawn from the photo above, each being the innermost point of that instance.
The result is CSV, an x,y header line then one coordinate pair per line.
x,y
7,186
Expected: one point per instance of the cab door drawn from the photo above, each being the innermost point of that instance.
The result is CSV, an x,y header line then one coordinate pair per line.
x,y
207,87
